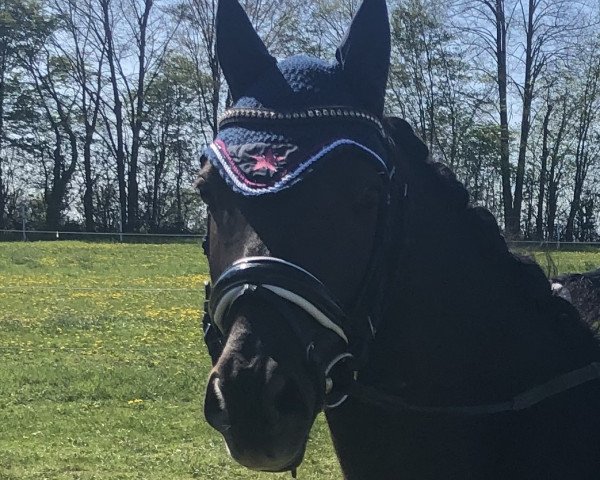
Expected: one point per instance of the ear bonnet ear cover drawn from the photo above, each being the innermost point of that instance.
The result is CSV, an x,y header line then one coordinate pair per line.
x,y
287,115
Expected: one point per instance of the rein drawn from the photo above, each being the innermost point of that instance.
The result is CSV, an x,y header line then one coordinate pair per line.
x,y
522,401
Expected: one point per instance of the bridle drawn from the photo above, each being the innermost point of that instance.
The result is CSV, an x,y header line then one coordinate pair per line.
x,y
288,287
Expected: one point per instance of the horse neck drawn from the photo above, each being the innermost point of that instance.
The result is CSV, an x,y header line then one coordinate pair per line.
x,y
470,322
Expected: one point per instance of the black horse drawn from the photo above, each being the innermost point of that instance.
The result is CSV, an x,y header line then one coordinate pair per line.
x,y
349,274
583,291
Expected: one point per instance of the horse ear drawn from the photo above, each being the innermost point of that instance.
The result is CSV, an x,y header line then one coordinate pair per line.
x,y
242,54
364,54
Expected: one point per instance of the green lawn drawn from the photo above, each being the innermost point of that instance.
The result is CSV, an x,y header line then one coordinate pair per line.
x,y
103,367
563,262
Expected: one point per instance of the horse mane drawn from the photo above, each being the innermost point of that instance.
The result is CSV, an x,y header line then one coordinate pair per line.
x,y
528,277
449,189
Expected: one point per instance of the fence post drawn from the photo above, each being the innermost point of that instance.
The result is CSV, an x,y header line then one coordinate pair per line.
x,y
120,231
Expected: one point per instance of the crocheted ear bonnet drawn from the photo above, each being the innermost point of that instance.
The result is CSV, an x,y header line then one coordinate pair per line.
x,y
289,115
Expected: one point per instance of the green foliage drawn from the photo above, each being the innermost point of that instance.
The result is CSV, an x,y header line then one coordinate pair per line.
x,y
172,140
20,23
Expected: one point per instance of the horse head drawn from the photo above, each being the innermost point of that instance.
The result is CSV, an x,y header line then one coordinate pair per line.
x,y
300,187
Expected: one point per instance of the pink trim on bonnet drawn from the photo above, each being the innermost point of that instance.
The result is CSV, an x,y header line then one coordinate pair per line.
x,y
249,187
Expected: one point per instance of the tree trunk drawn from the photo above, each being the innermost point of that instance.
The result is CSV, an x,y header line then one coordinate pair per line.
x,y
216,94
2,97
514,226
554,177
118,111
132,183
552,205
159,168
575,205
2,198
137,111
53,199
539,223
90,130
178,199
509,220
582,158
88,198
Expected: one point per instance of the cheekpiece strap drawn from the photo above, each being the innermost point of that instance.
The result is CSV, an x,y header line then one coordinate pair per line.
x,y
235,115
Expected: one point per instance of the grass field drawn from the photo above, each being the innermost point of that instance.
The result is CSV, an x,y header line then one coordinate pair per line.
x,y
102,365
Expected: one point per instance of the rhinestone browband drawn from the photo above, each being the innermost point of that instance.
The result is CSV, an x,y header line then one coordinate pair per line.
x,y
234,115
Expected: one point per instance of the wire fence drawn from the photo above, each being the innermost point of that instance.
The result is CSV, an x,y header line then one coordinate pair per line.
x,y
531,245
20,288
121,237
52,235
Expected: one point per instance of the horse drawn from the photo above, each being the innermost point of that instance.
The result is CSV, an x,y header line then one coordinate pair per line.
x,y
350,275
583,291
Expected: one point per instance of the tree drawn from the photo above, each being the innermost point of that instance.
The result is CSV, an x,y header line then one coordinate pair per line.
x,y
326,25
479,154
49,78
543,32
18,27
543,176
432,86
489,24
197,37
277,22
586,152
169,134
146,41
115,126
83,50
59,114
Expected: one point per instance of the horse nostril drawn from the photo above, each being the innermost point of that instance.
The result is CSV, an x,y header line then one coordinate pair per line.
x,y
287,397
215,409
